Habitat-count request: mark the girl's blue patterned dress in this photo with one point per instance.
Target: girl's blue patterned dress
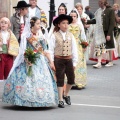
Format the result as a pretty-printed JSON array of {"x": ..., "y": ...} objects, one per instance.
[{"x": 39, "y": 90}]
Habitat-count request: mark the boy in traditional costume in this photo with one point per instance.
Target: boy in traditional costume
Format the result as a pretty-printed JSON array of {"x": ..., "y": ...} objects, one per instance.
[{"x": 63, "y": 49}]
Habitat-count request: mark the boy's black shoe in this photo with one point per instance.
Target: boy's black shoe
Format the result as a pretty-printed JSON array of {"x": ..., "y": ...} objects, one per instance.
[
  {"x": 67, "y": 99},
  {"x": 61, "y": 104}
]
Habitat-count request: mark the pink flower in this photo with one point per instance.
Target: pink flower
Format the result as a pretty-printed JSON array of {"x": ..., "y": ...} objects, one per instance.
[{"x": 35, "y": 51}]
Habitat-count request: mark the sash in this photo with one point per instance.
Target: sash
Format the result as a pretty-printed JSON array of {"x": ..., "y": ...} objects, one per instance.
[{"x": 35, "y": 43}]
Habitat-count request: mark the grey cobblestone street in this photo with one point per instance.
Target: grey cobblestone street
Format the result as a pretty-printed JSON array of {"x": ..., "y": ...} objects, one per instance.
[{"x": 100, "y": 100}]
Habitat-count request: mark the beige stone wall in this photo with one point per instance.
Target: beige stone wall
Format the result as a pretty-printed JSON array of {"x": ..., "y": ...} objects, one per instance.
[
  {"x": 13, "y": 3},
  {"x": 117, "y": 1},
  {"x": 6, "y": 8},
  {"x": 3, "y": 8}
]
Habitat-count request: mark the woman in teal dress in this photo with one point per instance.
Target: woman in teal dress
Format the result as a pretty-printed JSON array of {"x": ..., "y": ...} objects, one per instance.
[{"x": 39, "y": 89}]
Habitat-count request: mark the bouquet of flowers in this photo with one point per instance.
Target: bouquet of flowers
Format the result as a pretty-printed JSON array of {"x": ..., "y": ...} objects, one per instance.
[
  {"x": 84, "y": 44},
  {"x": 30, "y": 58}
]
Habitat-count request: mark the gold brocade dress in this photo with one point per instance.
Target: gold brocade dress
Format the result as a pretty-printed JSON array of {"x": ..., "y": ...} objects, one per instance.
[{"x": 81, "y": 68}]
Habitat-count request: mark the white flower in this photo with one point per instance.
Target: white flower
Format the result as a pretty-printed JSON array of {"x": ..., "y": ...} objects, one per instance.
[{"x": 118, "y": 26}]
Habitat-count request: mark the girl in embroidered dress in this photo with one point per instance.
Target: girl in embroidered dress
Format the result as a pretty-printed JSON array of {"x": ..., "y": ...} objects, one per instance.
[
  {"x": 39, "y": 89},
  {"x": 81, "y": 70},
  {"x": 64, "y": 54},
  {"x": 6, "y": 60}
]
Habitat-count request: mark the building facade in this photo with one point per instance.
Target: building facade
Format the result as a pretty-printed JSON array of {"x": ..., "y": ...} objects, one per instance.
[
  {"x": 6, "y": 6},
  {"x": 94, "y": 4}
]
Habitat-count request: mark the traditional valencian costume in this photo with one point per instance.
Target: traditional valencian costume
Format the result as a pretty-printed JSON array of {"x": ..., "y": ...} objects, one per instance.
[
  {"x": 104, "y": 26},
  {"x": 63, "y": 49},
  {"x": 9, "y": 47},
  {"x": 37, "y": 90},
  {"x": 81, "y": 69}
]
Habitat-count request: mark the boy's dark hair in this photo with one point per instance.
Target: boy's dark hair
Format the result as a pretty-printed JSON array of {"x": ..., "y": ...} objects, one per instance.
[
  {"x": 87, "y": 8},
  {"x": 56, "y": 29}
]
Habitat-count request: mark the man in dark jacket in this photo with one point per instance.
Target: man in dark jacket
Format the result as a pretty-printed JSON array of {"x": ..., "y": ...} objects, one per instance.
[
  {"x": 88, "y": 12},
  {"x": 117, "y": 18}
]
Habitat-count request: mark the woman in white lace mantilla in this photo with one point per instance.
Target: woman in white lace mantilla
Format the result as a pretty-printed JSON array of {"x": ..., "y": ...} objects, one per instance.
[{"x": 39, "y": 89}]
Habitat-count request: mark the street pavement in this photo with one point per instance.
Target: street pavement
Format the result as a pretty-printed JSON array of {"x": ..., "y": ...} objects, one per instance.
[{"x": 100, "y": 100}]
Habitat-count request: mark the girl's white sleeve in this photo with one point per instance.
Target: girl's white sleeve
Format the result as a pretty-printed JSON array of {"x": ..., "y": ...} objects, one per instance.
[
  {"x": 74, "y": 51},
  {"x": 51, "y": 44}
]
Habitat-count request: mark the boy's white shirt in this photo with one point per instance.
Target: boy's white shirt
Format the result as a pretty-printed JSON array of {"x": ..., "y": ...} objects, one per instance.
[
  {"x": 74, "y": 47},
  {"x": 21, "y": 20}
]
